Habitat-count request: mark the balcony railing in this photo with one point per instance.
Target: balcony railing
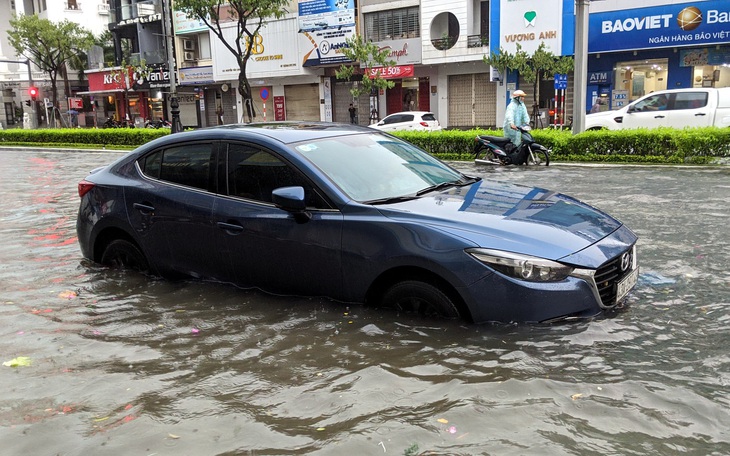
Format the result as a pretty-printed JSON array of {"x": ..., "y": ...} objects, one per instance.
[
  {"x": 136, "y": 10},
  {"x": 475, "y": 41}
]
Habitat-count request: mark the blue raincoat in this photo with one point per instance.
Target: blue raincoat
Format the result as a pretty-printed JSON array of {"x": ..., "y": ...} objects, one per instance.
[{"x": 516, "y": 114}]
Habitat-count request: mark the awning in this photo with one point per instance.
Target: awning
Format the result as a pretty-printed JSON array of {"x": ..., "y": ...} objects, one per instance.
[{"x": 99, "y": 92}]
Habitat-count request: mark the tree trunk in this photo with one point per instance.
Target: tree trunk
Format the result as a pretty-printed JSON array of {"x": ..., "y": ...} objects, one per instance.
[{"x": 244, "y": 88}]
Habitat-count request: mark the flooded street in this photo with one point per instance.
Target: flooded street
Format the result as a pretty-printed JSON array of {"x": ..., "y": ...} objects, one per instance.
[{"x": 101, "y": 362}]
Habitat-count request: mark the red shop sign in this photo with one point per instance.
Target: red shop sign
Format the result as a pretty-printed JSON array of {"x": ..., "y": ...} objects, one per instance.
[{"x": 392, "y": 72}]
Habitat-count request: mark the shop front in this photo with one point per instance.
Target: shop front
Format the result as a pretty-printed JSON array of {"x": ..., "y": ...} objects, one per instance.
[
  {"x": 633, "y": 52},
  {"x": 112, "y": 95}
]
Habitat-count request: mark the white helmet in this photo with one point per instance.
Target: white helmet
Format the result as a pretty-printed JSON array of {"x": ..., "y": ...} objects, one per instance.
[{"x": 518, "y": 93}]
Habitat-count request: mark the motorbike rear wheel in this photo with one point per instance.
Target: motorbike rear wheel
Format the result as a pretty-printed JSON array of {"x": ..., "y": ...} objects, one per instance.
[
  {"x": 485, "y": 155},
  {"x": 539, "y": 157}
]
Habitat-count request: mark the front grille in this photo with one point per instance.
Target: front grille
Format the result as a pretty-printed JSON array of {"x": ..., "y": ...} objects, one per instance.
[{"x": 610, "y": 273}]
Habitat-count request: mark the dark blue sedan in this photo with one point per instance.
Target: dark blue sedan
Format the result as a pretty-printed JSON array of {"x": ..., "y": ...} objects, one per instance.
[{"x": 355, "y": 215}]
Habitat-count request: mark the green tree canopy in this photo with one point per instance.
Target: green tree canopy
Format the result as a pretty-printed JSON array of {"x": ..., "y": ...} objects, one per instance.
[
  {"x": 249, "y": 17},
  {"x": 50, "y": 46},
  {"x": 370, "y": 57},
  {"x": 542, "y": 64}
]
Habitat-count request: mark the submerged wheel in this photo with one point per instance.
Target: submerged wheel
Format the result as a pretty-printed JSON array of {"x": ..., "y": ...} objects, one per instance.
[
  {"x": 420, "y": 297},
  {"x": 484, "y": 156},
  {"x": 541, "y": 157},
  {"x": 122, "y": 254}
]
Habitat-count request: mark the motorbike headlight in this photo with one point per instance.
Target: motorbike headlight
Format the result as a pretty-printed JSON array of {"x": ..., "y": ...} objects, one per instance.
[{"x": 523, "y": 267}]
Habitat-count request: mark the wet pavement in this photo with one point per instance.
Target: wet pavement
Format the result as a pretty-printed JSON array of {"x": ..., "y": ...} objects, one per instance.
[{"x": 110, "y": 363}]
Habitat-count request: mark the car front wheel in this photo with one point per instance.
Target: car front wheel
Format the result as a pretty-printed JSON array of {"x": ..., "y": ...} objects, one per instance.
[
  {"x": 420, "y": 297},
  {"x": 123, "y": 254}
]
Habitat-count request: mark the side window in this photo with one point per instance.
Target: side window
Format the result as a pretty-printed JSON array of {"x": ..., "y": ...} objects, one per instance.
[
  {"x": 407, "y": 118},
  {"x": 653, "y": 103},
  {"x": 254, "y": 173},
  {"x": 392, "y": 119},
  {"x": 690, "y": 100},
  {"x": 187, "y": 165}
]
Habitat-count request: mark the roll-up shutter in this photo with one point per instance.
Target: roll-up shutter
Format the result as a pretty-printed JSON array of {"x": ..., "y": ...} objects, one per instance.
[
  {"x": 472, "y": 101},
  {"x": 302, "y": 102}
]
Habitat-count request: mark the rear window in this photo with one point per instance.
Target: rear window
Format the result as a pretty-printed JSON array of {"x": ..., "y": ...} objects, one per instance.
[
  {"x": 690, "y": 100},
  {"x": 428, "y": 117},
  {"x": 187, "y": 165}
]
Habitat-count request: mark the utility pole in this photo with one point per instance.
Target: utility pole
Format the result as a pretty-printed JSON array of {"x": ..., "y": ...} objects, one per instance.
[
  {"x": 174, "y": 103},
  {"x": 581, "y": 65}
]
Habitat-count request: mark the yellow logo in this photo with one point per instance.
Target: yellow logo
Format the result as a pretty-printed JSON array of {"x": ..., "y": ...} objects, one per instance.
[
  {"x": 689, "y": 18},
  {"x": 258, "y": 44}
]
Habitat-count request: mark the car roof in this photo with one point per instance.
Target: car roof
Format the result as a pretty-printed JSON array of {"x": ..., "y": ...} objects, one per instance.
[
  {"x": 411, "y": 112},
  {"x": 285, "y": 132}
]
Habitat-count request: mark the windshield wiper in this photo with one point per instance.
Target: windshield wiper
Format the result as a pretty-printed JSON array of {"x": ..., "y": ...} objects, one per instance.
[
  {"x": 443, "y": 185},
  {"x": 391, "y": 199}
]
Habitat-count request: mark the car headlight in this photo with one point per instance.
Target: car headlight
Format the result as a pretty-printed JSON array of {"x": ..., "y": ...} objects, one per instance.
[{"x": 523, "y": 267}]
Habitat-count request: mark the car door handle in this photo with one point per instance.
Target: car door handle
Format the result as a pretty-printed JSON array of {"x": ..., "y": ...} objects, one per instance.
[
  {"x": 700, "y": 114},
  {"x": 658, "y": 117},
  {"x": 232, "y": 228},
  {"x": 144, "y": 208}
]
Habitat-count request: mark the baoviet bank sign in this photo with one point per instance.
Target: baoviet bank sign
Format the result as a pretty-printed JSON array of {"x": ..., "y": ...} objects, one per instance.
[{"x": 529, "y": 23}]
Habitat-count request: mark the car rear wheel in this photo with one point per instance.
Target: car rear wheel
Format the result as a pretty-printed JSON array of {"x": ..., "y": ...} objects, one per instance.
[
  {"x": 420, "y": 297},
  {"x": 123, "y": 254}
]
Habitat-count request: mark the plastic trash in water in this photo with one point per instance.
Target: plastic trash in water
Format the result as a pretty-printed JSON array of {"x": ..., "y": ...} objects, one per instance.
[
  {"x": 20, "y": 361},
  {"x": 655, "y": 279}
]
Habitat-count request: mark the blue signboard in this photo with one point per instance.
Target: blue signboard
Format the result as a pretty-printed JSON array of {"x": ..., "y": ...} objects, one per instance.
[
  {"x": 561, "y": 81},
  {"x": 684, "y": 24}
]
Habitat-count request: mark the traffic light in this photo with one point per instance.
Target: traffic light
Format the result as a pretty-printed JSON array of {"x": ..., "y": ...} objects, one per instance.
[{"x": 33, "y": 92}]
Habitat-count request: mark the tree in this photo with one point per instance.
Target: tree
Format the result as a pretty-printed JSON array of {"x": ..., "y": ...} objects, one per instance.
[
  {"x": 50, "y": 46},
  {"x": 249, "y": 16},
  {"x": 370, "y": 57},
  {"x": 542, "y": 64}
]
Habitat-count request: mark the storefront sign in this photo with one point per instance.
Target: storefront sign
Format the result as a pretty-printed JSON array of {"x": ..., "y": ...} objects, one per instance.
[
  {"x": 196, "y": 75},
  {"x": 660, "y": 26},
  {"x": 599, "y": 77},
  {"x": 272, "y": 53},
  {"x": 529, "y": 23},
  {"x": 701, "y": 57},
  {"x": 403, "y": 52},
  {"x": 392, "y": 72},
  {"x": 279, "y": 108},
  {"x": 76, "y": 103},
  {"x": 324, "y": 14}
]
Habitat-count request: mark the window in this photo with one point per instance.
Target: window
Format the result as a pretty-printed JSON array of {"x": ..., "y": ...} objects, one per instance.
[
  {"x": 690, "y": 100},
  {"x": 392, "y": 24},
  {"x": 653, "y": 103},
  {"x": 254, "y": 174},
  {"x": 185, "y": 165}
]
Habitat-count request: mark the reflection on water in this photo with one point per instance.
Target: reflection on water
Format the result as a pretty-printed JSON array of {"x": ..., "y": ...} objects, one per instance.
[{"x": 124, "y": 364}]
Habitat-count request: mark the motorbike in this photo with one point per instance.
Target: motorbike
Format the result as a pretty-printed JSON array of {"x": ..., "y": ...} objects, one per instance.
[
  {"x": 161, "y": 123},
  {"x": 498, "y": 150}
]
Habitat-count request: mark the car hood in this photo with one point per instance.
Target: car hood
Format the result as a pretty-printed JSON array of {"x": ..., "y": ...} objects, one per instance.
[{"x": 509, "y": 217}]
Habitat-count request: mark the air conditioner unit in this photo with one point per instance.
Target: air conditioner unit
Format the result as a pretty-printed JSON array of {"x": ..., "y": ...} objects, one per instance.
[
  {"x": 189, "y": 45},
  {"x": 189, "y": 56}
]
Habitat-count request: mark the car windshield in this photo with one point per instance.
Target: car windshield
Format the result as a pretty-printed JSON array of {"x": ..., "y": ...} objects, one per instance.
[{"x": 373, "y": 167}]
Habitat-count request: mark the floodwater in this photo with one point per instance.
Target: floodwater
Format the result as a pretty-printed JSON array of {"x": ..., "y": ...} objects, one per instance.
[{"x": 119, "y": 364}]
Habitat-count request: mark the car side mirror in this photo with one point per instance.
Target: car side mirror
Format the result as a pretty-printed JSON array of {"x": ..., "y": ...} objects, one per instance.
[{"x": 291, "y": 199}]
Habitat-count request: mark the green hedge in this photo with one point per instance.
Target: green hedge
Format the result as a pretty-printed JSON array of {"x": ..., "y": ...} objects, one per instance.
[
  {"x": 124, "y": 138},
  {"x": 663, "y": 145}
]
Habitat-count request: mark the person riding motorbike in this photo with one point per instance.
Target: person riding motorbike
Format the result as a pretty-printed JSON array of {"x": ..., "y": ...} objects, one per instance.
[{"x": 516, "y": 115}]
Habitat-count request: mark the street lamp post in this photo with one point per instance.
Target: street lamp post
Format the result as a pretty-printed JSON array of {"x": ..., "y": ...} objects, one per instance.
[{"x": 174, "y": 103}]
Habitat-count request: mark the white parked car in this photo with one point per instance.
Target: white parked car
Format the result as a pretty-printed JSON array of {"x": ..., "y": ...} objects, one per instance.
[
  {"x": 408, "y": 120},
  {"x": 677, "y": 108}
]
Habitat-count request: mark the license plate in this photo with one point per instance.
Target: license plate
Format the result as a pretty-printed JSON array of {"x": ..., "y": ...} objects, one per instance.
[{"x": 626, "y": 284}]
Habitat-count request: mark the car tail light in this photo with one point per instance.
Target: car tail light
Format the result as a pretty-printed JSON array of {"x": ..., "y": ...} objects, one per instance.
[
  {"x": 84, "y": 187},
  {"x": 425, "y": 124}
]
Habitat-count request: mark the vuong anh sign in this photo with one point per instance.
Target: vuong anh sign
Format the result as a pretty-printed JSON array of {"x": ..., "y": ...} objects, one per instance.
[{"x": 684, "y": 24}]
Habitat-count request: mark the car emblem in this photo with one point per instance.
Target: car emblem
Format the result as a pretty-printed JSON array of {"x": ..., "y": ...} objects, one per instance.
[{"x": 625, "y": 261}]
